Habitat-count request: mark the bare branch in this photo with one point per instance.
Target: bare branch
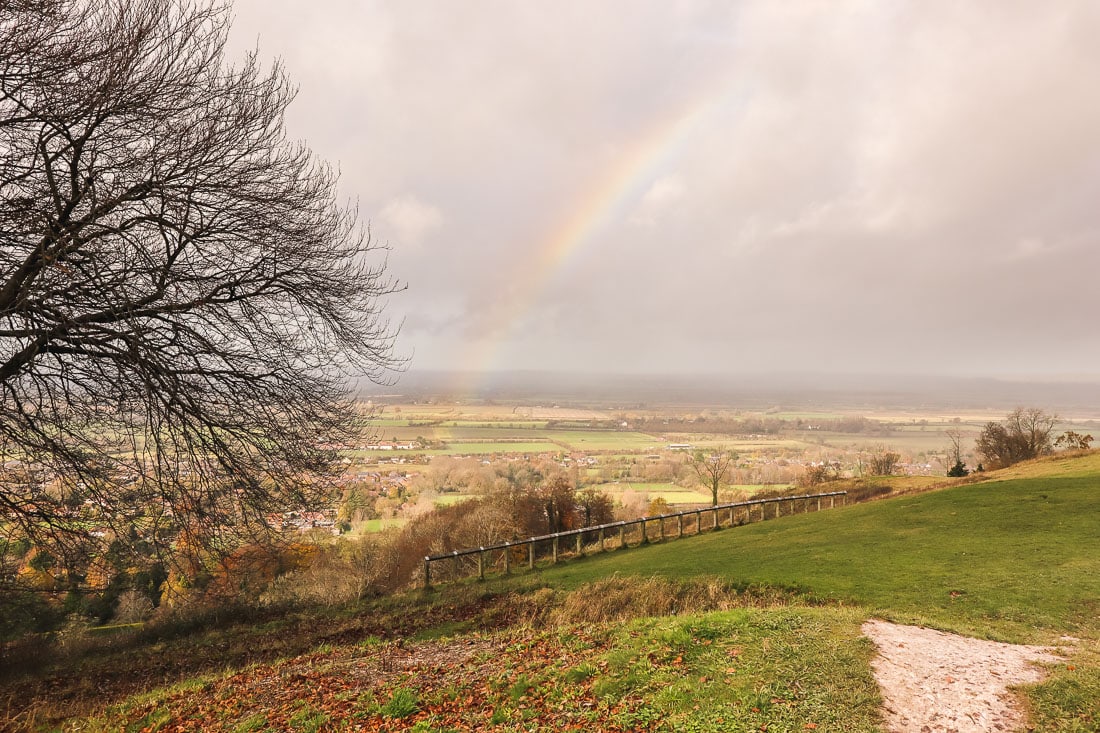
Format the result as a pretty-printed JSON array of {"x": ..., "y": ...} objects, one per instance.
[{"x": 182, "y": 296}]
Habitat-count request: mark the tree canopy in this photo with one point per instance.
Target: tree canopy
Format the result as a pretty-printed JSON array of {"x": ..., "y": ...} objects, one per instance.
[{"x": 183, "y": 296}]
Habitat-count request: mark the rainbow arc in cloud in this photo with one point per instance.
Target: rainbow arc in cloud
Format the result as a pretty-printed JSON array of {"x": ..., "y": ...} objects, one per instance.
[{"x": 603, "y": 203}]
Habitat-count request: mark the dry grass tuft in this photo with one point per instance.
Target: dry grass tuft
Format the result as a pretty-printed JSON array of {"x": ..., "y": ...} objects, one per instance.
[{"x": 623, "y": 598}]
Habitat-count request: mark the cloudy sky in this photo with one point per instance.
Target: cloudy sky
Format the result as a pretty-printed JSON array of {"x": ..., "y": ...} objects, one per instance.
[{"x": 626, "y": 186}]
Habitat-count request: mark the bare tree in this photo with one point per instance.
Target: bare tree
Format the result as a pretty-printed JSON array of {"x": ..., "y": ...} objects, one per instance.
[
  {"x": 182, "y": 295},
  {"x": 713, "y": 468},
  {"x": 1024, "y": 434},
  {"x": 957, "y": 467}
]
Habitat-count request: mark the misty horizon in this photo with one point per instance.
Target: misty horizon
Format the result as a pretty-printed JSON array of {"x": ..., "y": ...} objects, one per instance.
[{"x": 1075, "y": 398}]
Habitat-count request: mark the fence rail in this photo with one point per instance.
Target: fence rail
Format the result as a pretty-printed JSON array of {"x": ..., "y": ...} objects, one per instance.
[{"x": 513, "y": 553}]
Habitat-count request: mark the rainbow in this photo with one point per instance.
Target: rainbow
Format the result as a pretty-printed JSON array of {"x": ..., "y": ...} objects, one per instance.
[{"x": 600, "y": 205}]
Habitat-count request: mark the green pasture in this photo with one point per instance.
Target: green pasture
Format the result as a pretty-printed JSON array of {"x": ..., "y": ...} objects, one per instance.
[
  {"x": 628, "y": 442},
  {"x": 499, "y": 424},
  {"x": 573, "y": 439},
  {"x": 905, "y": 442},
  {"x": 705, "y": 441},
  {"x": 639, "y": 486},
  {"x": 369, "y": 526},
  {"x": 754, "y": 488},
  {"x": 676, "y": 494},
  {"x": 449, "y": 499},
  {"x": 671, "y": 493},
  {"x": 1013, "y": 558},
  {"x": 582, "y": 440},
  {"x": 488, "y": 447},
  {"x": 386, "y": 422}
]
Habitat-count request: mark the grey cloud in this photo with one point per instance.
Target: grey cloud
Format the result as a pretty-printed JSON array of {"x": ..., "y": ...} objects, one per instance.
[{"x": 894, "y": 186}]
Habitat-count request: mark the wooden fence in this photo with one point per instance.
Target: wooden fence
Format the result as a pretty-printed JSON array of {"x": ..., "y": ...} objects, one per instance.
[{"x": 619, "y": 534}]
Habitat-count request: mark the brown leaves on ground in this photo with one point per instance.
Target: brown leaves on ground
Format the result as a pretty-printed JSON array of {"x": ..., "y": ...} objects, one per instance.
[{"x": 474, "y": 683}]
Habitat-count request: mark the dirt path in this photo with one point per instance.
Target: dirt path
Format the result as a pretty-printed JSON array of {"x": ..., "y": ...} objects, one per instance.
[{"x": 934, "y": 682}]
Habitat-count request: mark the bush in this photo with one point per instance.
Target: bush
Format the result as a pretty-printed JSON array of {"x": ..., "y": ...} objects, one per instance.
[{"x": 958, "y": 470}]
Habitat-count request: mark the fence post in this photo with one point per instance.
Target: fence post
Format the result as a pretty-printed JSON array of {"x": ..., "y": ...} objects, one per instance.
[
  {"x": 661, "y": 524},
  {"x": 731, "y": 516},
  {"x": 555, "y": 543},
  {"x": 680, "y": 524},
  {"x": 481, "y": 564},
  {"x": 832, "y": 502},
  {"x": 427, "y": 572},
  {"x": 622, "y": 536},
  {"x": 530, "y": 555},
  {"x": 645, "y": 540},
  {"x": 601, "y": 540},
  {"x": 819, "y": 503},
  {"x": 844, "y": 500},
  {"x": 507, "y": 558},
  {"x": 580, "y": 549},
  {"x": 715, "y": 526}
]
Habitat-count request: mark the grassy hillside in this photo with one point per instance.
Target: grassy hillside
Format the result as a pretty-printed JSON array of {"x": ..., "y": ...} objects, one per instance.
[
  {"x": 1012, "y": 558},
  {"x": 744, "y": 629}
]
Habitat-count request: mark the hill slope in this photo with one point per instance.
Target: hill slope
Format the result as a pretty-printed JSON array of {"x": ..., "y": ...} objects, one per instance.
[
  {"x": 766, "y": 631},
  {"x": 1012, "y": 558}
]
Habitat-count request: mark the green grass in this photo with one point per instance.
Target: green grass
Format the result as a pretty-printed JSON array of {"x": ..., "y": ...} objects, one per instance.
[
  {"x": 486, "y": 448},
  {"x": 1013, "y": 558},
  {"x": 402, "y": 703},
  {"x": 671, "y": 493},
  {"x": 449, "y": 499},
  {"x": 755, "y": 488},
  {"x": 368, "y": 526},
  {"x": 747, "y": 669},
  {"x": 600, "y": 440}
]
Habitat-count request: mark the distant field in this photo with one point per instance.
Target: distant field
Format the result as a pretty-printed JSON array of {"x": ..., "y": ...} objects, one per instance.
[
  {"x": 499, "y": 424},
  {"x": 908, "y": 442},
  {"x": 675, "y": 494},
  {"x": 705, "y": 441},
  {"x": 805, "y": 415},
  {"x": 486, "y": 448},
  {"x": 605, "y": 440},
  {"x": 483, "y": 430},
  {"x": 754, "y": 488},
  {"x": 573, "y": 439},
  {"x": 369, "y": 526},
  {"x": 671, "y": 493},
  {"x": 449, "y": 499}
]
